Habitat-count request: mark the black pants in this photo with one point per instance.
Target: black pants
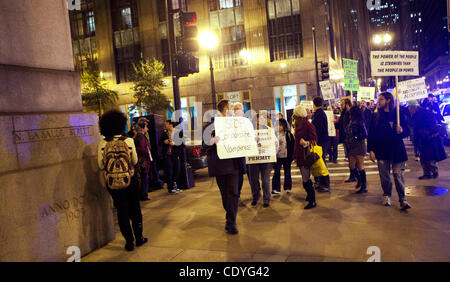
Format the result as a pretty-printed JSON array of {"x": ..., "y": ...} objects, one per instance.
[
  {"x": 333, "y": 148},
  {"x": 171, "y": 170},
  {"x": 228, "y": 185},
  {"x": 127, "y": 203},
  {"x": 276, "y": 183}
]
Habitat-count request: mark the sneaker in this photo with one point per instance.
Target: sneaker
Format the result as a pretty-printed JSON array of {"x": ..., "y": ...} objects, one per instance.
[
  {"x": 311, "y": 205},
  {"x": 276, "y": 192},
  {"x": 266, "y": 205},
  {"x": 323, "y": 190},
  {"x": 404, "y": 205},
  {"x": 141, "y": 242},
  {"x": 178, "y": 190},
  {"x": 386, "y": 201}
]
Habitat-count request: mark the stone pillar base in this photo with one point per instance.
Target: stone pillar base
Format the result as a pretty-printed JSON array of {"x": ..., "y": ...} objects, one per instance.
[{"x": 51, "y": 195}]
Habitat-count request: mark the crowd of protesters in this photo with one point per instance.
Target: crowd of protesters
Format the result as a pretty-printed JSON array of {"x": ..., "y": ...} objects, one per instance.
[{"x": 362, "y": 129}]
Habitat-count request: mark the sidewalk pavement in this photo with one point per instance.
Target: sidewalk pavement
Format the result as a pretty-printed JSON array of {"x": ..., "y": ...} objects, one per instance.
[{"x": 189, "y": 227}]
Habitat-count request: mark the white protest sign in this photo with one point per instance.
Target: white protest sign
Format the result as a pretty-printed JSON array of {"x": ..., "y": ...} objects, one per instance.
[
  {"x": 236, "y": 137},
  {"x": 266, "y": 146},
  {"x": 308, "y": 105},
  {"x": 412, "y": 89},
  {"x": 394, "y": 63},
  {"x": 331, "y": 128},
  {"x": 327, "y": 91},
  {"x": 366, "y": 94}
]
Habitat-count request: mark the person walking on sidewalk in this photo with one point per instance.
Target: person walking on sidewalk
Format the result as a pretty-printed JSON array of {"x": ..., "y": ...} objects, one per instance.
[
  {"x": 385, "y": 144},
  {"x": 117, "y": 157},
  {"x": 356, "y": 135},
  {"x": 226, "y": 171},
  {"x": 263, "y": 169},
  {"x": 285, "y": 155},
  {"x": 305, "y": 135},
  {"x": 429, "y": 142},
  {"x": 344, "y": 120}
]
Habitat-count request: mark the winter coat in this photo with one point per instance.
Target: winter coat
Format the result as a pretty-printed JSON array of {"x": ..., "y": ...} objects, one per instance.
[
  {"x": 427, "y": 137},
  {"x": 142, "y": 149},
  {"x": 383, "y": 139},
  {"x": 320, "y": 122},
  {"x": 356, "y": 131},
  {"x": 342, "y": 124},
  {"x": 307, "y": 132}
]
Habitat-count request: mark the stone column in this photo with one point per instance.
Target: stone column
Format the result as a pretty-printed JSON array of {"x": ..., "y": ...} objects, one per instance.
[{"x": 51, "y": 197}]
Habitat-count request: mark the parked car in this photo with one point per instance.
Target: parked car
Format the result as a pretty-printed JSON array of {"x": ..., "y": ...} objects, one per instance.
[{"x": 445, "y": 112}]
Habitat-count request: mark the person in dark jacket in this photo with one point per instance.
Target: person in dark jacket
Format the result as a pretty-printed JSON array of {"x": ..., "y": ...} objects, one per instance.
[
  {"x": 367, "y": 114},
  {"x": 144, "y": 157},
  {"x": 385, "y": 144},
  {"x": 356, "y": 134},
  {"x": 284, "y": 158},
  {"x": 305, "y": 135},
  {"x": 429, "y": 142},
  {"x": 171, "y": 157},
  {"x": 430, "y": 105},
  {"x": 320, "y": 122},
  {"x": 344, "y": 120},
  {"x": 225, "y": 171}
]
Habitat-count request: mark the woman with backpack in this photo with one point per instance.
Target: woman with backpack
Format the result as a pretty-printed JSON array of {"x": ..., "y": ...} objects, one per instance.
[
  {"x": 117, "y": 157},
  {"x": 284, "y": 158},
  {"x": 355, "y": 139}
]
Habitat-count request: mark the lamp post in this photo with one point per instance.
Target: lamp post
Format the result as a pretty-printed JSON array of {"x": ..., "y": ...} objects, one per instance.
[{"x": 209, "y": 41}]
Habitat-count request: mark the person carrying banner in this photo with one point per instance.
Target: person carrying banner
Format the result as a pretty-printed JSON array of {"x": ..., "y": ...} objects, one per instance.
[
  {"x": 385, "y": 144},
  {"x": 226, "y": 171}
]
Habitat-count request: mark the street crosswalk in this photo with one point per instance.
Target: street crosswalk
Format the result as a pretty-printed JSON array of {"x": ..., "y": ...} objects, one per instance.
[{"x": 340, "y": 169}]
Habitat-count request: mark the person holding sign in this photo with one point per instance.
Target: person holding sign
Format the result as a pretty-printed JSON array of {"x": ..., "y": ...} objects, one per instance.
[
  {"x": 385, "y": 144},
  {"x": 305, "y": 136},
  {"x": 238, "y": 109},
  {"x": 262, "y": 168},
  {"x": 226, "y": 171}
]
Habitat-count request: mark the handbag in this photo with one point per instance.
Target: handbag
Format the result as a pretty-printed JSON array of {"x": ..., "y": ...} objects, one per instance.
[{"x": 311, "y": 157}]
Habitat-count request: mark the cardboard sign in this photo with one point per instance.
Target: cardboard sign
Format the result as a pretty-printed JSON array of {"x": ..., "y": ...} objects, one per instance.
[
  {"x": 366, "y": 94},
  {"x": 394, "y": 63},
  {"x": 309, "y": 105},
  {"x": 327, "y": 90},
  {"x": 351, "y": 80},
  {"x": 237, "y": 137},
  {"x": 412, "y": 89},
  {"x": 267, "y": 151},
  {"x": 331, "y": 128}
]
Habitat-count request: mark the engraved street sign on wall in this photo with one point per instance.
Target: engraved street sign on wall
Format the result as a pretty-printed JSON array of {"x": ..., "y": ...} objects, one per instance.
[{"x": 38, "y": 135}]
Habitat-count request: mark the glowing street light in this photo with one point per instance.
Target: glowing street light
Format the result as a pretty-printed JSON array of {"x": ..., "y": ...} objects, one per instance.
[
  {"x": 377, "y": 39},
  {"x": 209, "y": 41},
  {"x": 380, "y": 38}
]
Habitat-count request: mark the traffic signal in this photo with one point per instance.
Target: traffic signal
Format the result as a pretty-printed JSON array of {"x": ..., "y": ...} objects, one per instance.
[
  {"x": 325, "y": 69},
  {"x": 187, "y": 64},
  {"x": 189, "y": 32}
]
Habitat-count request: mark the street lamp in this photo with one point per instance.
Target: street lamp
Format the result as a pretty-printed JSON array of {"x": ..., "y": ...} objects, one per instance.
[
  {"x": 380, "y": 38},
  {"x": 209, "y": 41}
]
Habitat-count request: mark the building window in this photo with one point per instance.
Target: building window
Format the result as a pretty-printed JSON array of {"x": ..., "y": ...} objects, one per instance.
[
  {"x": 227, "y": 21},
  {"x": 285, "y": 30},
  {"x": 82, "y": 28},
  {"x": 126, "y": 39}
]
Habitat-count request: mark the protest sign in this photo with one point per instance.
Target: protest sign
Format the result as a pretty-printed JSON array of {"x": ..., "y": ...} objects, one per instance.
[
  {"x": 412, "y": 89},
  {"x": 266, "y": 147},
  {"x": 351, "y": 80},
  {"x": 309, "y": 105},
  {"x": 327, "y": 90},
  {"x": 330, "y": 119},
  {"x": 366, "y": 94},
  {"x": 236, "y": 137},
  {"x": 394, "y": 63}
]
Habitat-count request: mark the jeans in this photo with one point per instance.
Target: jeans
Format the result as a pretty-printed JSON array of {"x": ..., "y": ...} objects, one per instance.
[
  {"x": 254, "y": 171},
  {"x": 276, "y": 183},
  {"x": 228, "y": 185},
  {"x": 171, "y": 170},
  {"x": 126, "y": 201},
  {"x": 333, "y": 148},
  {"x": 398, "y": 169}
]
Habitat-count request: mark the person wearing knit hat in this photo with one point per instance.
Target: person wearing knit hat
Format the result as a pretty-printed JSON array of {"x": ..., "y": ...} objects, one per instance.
[{"x": 305, "y": 134}]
